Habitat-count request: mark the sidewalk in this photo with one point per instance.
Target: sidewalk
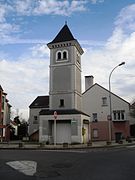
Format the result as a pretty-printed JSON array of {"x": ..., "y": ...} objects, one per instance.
[{"x": 37, "y": 146}]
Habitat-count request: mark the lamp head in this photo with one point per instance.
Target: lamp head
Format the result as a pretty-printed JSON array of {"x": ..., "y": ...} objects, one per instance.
[{"x": 122, "y": 63}]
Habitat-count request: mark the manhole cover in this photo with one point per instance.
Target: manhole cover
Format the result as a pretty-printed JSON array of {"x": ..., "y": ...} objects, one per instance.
[{"x": 62, "y": 165}]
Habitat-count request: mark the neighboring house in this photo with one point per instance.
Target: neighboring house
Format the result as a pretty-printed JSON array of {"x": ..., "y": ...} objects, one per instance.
[
  {"x": 41, "y": 102},
  {"x": 96, "y": 104},
  {"x": 4, "y": 115},
  {"x": 132, "y": 121}
]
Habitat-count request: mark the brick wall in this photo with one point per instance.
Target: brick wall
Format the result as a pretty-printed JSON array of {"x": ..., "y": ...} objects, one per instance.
[{"x": 102, "y": 130}]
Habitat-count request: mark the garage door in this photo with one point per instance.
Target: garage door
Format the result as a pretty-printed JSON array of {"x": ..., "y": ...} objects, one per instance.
[{"x": 63, "y": 132}]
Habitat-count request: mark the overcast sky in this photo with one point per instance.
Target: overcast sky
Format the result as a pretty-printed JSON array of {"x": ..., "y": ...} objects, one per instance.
[{"x": 104, "y": 28}]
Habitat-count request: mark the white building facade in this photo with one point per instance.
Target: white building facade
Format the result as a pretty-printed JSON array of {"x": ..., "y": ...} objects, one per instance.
[
  {"x": 96, "y": 104},
  {"x": 41, "y": 102}
]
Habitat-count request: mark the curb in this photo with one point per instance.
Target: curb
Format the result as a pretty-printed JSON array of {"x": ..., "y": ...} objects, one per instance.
[{"x": 38, "y": 147}]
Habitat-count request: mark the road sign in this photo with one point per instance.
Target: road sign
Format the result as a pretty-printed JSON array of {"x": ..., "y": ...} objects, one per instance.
[{"x": 55, "y": 115}]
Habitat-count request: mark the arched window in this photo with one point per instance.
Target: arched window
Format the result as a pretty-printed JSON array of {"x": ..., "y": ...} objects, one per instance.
[
  {"x": 64, "y": 55},
  {"x": 59, "y": 55}
]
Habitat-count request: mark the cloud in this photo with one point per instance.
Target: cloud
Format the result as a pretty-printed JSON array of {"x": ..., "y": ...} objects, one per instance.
[
  {"x": 23, "y": 7},
  {"x": 96, "y": 1},
  {"x": 48, "y": 7},
  {"x": 11, "y": 9},
  {"x": 40, "y": 50},
  {"x": 119, "y": 47},
  {"x": 126, "y": 18},
  {"x": 6, "y": 29},
  {"x": 54, "y": 7},
  {"x": 14, "y": 9},
  {"x": 2, "y": 13},
  {"x": 4, "y": 10},
  {"x": 25, "y": 79},
  {"x": 41, "y": 7}
]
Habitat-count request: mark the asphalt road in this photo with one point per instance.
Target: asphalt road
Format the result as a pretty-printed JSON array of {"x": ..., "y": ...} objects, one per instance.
[{"x": 117, "y": 164}]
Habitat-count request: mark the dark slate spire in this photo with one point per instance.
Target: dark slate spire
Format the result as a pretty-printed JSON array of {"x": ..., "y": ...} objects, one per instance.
[{"x": 64, "y": 35}]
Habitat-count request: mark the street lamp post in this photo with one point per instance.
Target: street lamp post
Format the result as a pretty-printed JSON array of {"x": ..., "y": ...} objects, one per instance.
[
  {"x": 55, "y": 130},
  {"x": 110, "y": 102}
]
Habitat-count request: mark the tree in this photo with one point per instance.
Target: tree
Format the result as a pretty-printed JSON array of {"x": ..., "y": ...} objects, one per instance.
[
  {"x": 16, "y": 120},
  {"x": 23, "y": 130}
]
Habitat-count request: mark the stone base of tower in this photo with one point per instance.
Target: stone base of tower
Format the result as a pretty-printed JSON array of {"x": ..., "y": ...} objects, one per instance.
[{"x": 72, "y": 126}]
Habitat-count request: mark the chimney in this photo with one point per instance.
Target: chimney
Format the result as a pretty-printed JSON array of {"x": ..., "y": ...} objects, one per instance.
[{"x": 88, "y": 82}]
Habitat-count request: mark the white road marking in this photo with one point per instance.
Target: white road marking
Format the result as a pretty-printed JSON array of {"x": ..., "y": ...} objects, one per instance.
[{"x": 26, "y": 167}]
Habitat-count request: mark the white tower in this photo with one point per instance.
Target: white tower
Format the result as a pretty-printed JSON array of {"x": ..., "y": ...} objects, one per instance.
[
  {"x": 64, "y": 93},
  {"x": 65, "y": 71}
]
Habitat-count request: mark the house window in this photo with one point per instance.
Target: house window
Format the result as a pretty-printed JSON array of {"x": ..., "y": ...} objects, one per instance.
[
  {"x": 95, "y": 133},
  {"x": 94, "y": 117},
  {"x": 61, "y": 102},
  {"x": 104, "y": 101},
  {"x": 114, "y": 115},
  {"x": 122, "y": 115},
  {"x": 35, "y": 121},
  {"x": 119, "y": 115}
]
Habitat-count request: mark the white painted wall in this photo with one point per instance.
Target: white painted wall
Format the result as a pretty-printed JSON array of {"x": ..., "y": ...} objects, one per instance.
[
  {"x": 43, "y": 128},
  {"x": 92, "y": 103},
  {"x": 33, "y": 127}
]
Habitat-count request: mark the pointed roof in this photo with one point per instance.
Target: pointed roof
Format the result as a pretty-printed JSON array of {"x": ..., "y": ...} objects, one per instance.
[
  {"x": 96, "y": 84},
  {"x": 64, "y": 35}
]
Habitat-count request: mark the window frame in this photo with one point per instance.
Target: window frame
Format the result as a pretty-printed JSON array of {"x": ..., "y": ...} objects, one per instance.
[
  {"x": 94, "y": 117},
  {"x": 119, "y": 115},
  {"x": 35, "y": 119},
  {"x": 95, "y": 135},
  {"x": 62, "y": 103},
  {"x": 104, "y": 101},
  {"x": 62, "y": 59}
]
